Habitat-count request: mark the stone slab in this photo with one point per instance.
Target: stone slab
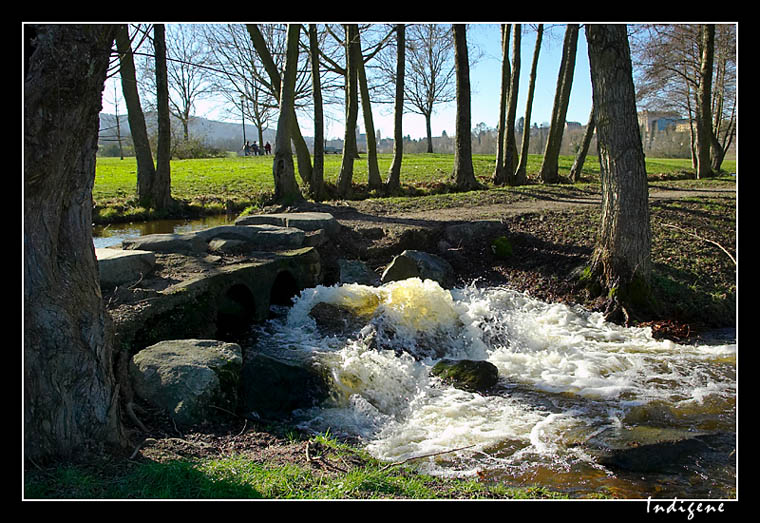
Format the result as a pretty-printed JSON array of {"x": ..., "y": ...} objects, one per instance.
[
  {"x": 306, "y": 221},
  {"x": 119, "y": 266}
]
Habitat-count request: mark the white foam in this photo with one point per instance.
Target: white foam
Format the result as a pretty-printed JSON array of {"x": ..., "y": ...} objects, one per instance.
[{"x": 569, "y": 375}]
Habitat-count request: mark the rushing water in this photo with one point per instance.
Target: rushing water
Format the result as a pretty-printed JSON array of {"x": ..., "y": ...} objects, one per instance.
[{"x": 572, "y": 389}]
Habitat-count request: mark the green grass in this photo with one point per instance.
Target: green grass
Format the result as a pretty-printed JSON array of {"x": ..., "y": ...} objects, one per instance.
[
  {"x": 237, "y": 477},
  {"x": 216, "y": 185}
]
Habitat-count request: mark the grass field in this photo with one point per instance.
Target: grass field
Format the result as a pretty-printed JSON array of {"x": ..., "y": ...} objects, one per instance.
[{"x": 216, "y": 185}]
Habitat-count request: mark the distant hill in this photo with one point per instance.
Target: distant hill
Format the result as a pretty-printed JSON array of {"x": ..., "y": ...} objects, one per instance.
[{"x": 224, "y": 135}]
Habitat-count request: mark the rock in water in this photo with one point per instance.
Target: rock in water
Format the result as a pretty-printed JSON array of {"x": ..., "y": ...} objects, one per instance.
[{"x": 470, "y": 375}]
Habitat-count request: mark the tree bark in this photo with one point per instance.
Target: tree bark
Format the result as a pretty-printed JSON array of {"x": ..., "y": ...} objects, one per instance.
[
  {"x": 499, "y": 174},
  {"x": 146, "y": 171},
  {"x": 374, "y": 181},
  {"x": 285, "y": 186},
  {"x": 353, "y": 55},
  {"x": 510, "y": 147},
  {"x": 550, "y": 165},
  {"x": 521, "y": 175},
  {"x": 621, "y": 260},
  {"x": 316, "y": 188},
  {"x": 394, "y": 174},
  {"x": 464, "y": 174},
  {"x": 704, "y": 110},
  {"x": 160, "y": 191},
  {"x": 70, "y": 392},
  {"x": 580, "y": 158}
]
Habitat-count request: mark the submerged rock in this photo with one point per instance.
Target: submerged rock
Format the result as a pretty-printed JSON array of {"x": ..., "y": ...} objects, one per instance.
[
  {"x": 664, "y": 456},
  {"x": 333, "y": 320},
  {"x": 469, "y": 375},
  {"x": 272, "y": 388}
]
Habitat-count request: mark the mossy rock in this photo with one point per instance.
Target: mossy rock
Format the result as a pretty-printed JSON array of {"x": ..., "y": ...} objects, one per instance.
[{"x": 469, "y": 375}]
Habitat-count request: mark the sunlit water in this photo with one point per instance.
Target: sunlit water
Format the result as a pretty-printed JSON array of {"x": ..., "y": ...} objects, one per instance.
[
  {"x": 572, "y": 388},
  {"x": 113, "y": 234}
]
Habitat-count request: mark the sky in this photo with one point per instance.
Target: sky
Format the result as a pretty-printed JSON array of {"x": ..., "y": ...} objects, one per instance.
[{"x": 485, "y": 84}]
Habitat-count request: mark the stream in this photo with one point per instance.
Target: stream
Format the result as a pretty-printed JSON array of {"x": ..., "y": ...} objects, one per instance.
[
  {"x": 573, "y": 390},
  {"x": 113, "y": 234}
]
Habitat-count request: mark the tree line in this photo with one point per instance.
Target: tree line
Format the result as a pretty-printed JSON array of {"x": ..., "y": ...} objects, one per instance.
[
  {"x": 74, "y": 396},
  {"x": 412, "y": 69}
]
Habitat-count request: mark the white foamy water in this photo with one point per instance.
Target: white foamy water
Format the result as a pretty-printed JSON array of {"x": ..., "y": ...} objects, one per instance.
[{"x": 568, "y": 380}]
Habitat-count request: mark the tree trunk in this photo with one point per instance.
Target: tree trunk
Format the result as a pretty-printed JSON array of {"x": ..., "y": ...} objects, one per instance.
[
  {"x": 70, "y": 392},
  {"x": 302, "y": 151},
  {"x": 353, "y": 56},
  {"x": 317, "y": 186},
  {"x": 580, "y": 158},
  {"x": 510, "y": 148},
  {"x": 499, "y": 174},
  {"x": 160, "y": 192},
  {"x": 285, "y": 185},
  {"x": 550, "y": 165},
  {"x": 394, "y": 174},
  {"x": 621, "y": 260},
  {"x": 429, "y": 131},
  {"x": 146, "y": 171},
  {"x": 522, "y": 176},
  {"x": 374, "y": 181},
  {"x": 464, "y": 174},
  {"x": 704, "y": 110}
]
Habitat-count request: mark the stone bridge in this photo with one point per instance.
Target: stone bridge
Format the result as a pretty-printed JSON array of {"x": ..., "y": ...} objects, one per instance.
[{"x": 210, "y": 283}]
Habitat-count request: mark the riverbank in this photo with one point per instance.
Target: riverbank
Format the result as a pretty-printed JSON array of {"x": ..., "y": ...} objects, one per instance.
[{"x": 551, "y": 231}]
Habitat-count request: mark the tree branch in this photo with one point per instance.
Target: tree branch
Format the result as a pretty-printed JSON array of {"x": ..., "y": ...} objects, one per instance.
[{"x": 701, "y": 238}]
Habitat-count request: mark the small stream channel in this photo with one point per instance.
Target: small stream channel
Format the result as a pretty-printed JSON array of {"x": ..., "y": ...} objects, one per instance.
[{"x": 113, "y": 234}]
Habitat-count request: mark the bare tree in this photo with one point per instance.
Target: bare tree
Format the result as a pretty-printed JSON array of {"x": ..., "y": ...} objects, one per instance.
[
  {"x": 705, "y": 136},
  {"x": 187, "y": 80},
  {"x": 285, "y": 185},
  {"x": 621, "y": 263},
  {"x": 669, "y": 60},
  {"x": 160, "y": 190},
  {"x": 303, "y": 156},
  {"x": 580, "y": 158},
  {"x": 394, "y": 173},
  {"x": 240, "y": 75},
  {"x": 317, "y": 173},
  {"x": 499, "y": 176},
  {"x": 71, "y": 397},
  {"x": 550, "y": 165},
  {"x": 146, "y": 170},
  {"x": 353, "y": 56},
  {"x": 430, "y": 71},
  {"x": 508, "y": 173},
  {"x": 521, "y": 174},
  {"x": 464, "y": 174}
]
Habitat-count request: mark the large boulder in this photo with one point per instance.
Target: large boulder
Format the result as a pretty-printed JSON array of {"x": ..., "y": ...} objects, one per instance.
[
  {"x": 273, "y": 388},
  {"x": 188, "y": 378},
  {"x": 470, "y": 375},
  {"x": 418, "y": 264}
]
